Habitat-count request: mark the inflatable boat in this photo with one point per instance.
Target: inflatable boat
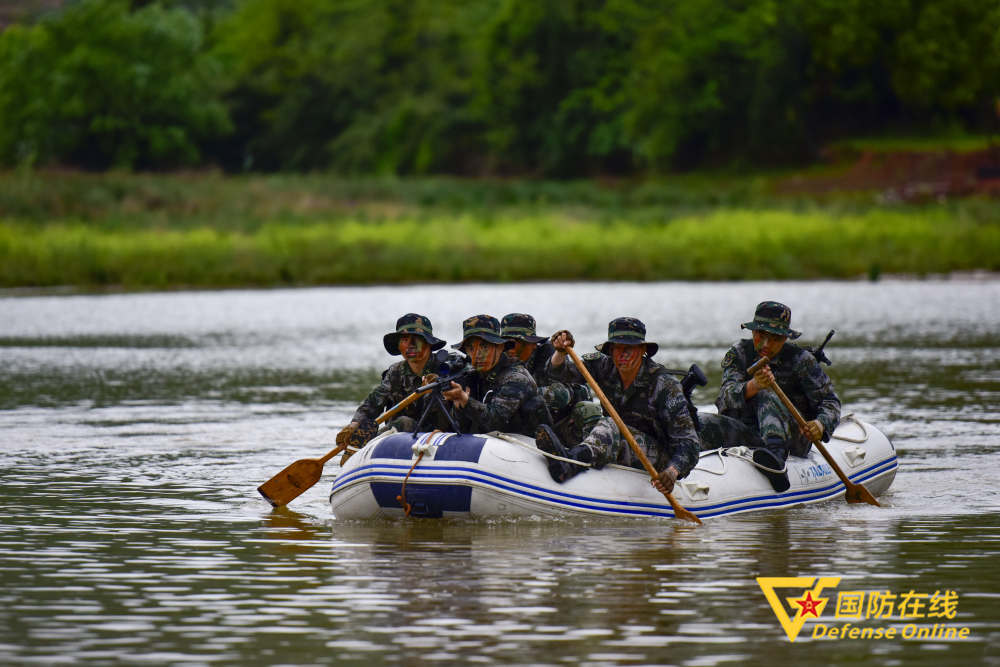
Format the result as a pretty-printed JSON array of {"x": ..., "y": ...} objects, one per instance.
[{"x": 496, "y": 474}]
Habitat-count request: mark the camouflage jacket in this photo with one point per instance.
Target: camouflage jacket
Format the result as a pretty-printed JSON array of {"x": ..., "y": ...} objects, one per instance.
[
  {"x": 798, "y": 374},
  {"x": 504, "y": 399},
  {"x": 398, "y": 382},
  {"x": 654, "y": 404}
]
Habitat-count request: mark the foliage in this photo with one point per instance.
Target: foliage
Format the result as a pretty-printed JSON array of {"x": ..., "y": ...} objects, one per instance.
[
  {"x": 98, "y": 85},
  {"x": 553, "y": 88}
]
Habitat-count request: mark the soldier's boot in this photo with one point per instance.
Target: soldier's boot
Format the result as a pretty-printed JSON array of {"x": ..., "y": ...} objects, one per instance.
[
  {"x": 560, "y": 471},
  {"x": 770, "y": 460}
]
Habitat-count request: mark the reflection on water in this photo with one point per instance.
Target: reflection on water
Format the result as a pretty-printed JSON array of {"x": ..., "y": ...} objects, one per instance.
[{"x": 136, "y": 428}]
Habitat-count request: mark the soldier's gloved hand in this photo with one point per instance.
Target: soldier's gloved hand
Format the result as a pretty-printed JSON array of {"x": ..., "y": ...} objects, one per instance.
[
  {"x": 458, "y": 396},
  {"x": 343, "y": 437},
  {"x": 665, "y": 481},
  {"x": 812, "y": 430},
  {"x": 562, "y": 339},
  {"x": 763, "y": 378}
]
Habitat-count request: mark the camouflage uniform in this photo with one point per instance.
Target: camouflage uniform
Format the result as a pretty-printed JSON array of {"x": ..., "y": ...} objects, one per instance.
[
  {"x": 653, "y": 407},
  {"x": 399, "y": 381},
  {"x": 562, "y": 400},
  {"x": 506, "y": 397},
  {"x": 797, "y": 373}
]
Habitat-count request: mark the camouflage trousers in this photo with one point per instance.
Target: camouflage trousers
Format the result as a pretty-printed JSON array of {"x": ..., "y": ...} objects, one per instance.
[
  {"x": 608, "y": 445},
  {"x": 773, "y": 426}
]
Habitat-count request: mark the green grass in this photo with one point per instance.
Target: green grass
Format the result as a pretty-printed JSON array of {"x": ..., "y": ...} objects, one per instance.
[
  {"x": 142, "y": 231},
  {"x": 724, "y": 244}
]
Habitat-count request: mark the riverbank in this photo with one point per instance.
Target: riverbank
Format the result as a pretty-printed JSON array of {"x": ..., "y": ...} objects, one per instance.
[{"x": 206, "y": 230}]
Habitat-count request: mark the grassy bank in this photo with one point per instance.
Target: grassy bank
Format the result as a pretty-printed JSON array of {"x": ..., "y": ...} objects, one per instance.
[{"x": 204, "y": 230}]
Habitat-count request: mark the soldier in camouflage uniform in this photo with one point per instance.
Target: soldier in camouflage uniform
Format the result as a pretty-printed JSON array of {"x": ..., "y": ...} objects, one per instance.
[
  {"x": 569, "y": 405},
  {"x": 414, "y": 340},
  {"x": 750, "y": 401},
  {"x": 505, "y": 397},
  {"x": 647, "y": 398}
]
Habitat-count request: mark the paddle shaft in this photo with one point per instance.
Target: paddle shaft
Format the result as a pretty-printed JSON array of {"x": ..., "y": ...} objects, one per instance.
[
  {"x": 853, "y": 490},
  {"x": 679, "y": 511}
]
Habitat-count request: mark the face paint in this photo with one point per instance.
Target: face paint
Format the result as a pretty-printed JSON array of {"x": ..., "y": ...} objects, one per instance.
[
  {"x": 521, "y": 350},
  {"x": 414, "y": 348},
  {"x": 627, "y": 357},
  {"x": 768, "y": 344},
  {"x": 483, "y": 355}
]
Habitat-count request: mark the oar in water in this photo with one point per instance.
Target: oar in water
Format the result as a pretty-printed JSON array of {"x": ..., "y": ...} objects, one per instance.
[
  {"x": 855, "y": 493},
  {"x": 679, "y": 511},
  {"x": 288, "y": 484}
]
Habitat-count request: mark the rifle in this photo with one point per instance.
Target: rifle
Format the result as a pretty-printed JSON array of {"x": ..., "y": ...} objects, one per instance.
[
  {"x": 818, "y": 352},
  {"x": 693, "y": 377},
  {"x": 454, "y": 366}
]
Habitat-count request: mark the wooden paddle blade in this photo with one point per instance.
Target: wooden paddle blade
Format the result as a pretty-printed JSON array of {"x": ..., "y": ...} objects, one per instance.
[
  {"x": 288, "y": 484},
  {"x": 686, "y": 515},
  {"x": 856, "y": 493}
]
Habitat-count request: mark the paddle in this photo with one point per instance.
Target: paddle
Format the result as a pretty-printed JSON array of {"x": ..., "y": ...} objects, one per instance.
[
  {"x": 679, "y": 511},
  {"x": 288, "y": 484},
  {"x": 854, "y": 493}
]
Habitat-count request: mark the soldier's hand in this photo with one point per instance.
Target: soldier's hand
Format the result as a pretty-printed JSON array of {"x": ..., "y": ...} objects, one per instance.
[
  {"x": 562, "y": 339},
  {"x": 345, "y": 433},
  {"x": 763, "y": 378},
  {"x": 429, "y": 378},
  {"x": 458, "y": 396},
  {"x": 812, "y": 430},
  {"x": 665, "y": 481}
]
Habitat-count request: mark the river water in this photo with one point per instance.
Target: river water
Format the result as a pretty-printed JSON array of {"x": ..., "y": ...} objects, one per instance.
[{"x": 135, "y": 429}]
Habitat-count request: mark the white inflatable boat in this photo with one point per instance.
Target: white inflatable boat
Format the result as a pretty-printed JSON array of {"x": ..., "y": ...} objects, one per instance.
[{"x": 498, "y": 474}]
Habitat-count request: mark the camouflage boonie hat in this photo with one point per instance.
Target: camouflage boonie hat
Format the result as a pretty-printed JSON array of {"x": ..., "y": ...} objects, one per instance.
[
  {"x": 772, "y": 317},
  {"x": 411, "y": 323},
  {"x": 519, "y": 326},
  {"x": 629, "y": 331},
  {"x": 482, "y": 326}
]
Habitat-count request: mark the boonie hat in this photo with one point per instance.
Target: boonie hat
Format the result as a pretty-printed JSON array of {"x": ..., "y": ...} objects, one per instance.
[
  {"x": 482, "y": 326},
  {"x": 630, "y": 331},
  {"x": 772, "y": 317},
  {"x": 519, "y": 326},
  {"x": 411, "y": 324}
]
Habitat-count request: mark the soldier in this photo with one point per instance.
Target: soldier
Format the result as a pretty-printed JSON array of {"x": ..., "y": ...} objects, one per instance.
[
  {"x": 414, "y": 340},
  {"x": 505, "y": 397},
  {"x": 647, "y": 398},
  {"x": 569, "y": 405},
  {"x": 750, "y": 400}
]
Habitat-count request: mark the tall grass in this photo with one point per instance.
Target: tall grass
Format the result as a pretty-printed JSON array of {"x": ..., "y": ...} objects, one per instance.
[{"x": 718, "y": 244}]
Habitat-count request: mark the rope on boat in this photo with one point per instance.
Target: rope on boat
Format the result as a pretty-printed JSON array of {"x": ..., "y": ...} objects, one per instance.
[
  {"x": 503, "y": 436},
  {"x": 854, "y": 419},
  {"x": 419, "y": 448},
  {"x": 743, "y": 453}
]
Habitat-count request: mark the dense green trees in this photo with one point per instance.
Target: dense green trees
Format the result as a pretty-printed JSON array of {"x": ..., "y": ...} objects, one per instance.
[{"x": 546, "y": 87}]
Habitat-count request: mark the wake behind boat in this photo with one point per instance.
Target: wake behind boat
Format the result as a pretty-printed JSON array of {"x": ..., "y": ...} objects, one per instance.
[{"x": 497, "y": 474}]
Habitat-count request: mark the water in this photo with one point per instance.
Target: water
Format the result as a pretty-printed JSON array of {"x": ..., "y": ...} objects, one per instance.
[{"x": 136, "y": 428}]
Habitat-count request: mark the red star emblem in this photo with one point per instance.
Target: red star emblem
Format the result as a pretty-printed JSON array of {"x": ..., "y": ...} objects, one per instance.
[{"x": 809, "y": 605}]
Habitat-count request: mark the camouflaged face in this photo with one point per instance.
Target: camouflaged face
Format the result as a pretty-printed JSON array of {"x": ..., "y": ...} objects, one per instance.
[{"x": 415, "y": 324}]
